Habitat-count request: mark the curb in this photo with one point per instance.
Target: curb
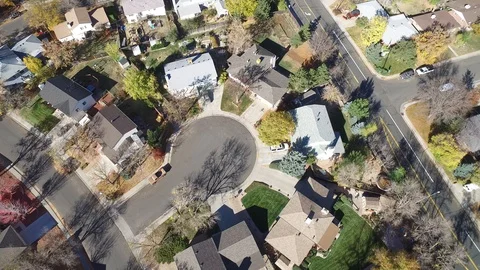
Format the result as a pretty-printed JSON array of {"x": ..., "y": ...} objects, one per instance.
[{"x": 445, "y": 177}]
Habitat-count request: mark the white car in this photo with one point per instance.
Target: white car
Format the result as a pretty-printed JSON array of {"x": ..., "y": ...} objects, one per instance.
[
  {"x": 446, "y": 87},
  {"x": 279, "y": 147},
  {"x": 470, "y": 187},
  {"x": 424, "y": 70}
]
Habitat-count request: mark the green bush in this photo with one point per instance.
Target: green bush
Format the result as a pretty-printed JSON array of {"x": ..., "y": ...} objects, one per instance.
[
  {"x": 359, "y": 108},
  {"x": 369, "y": 129},
  {"x": 159, "y": 45},
  {"x": 446, "y": 150},
  {"x": 223, "y": 77},
  {"x": 282, "y": 5},
  {"x": 463, "y": 37},
  {"x": 434, "y": 2},
  {"x": 464, "y": 170},
  {"x": 293, "y": 164},
  {"x": 169, "y": 248},
  {"x": 356, "y": 157},
  {"x": 398, "y": 174}
]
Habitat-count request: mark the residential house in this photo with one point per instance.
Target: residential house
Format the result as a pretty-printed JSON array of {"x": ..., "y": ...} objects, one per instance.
[
  {"x": 12, "y": 69},
  {"x": 188, "y": 76},
  {"x": 118, "y": 135},
  {"x": 371, "y": 9},
  {"x": 29, "y": 46},
  {"x": 425, "y": 21},
  {"x": 398, "y": 28},
  {"x": 466, "y": 12},
  {"x": 303, "y": 224},
  {"x": 11, "y": 246},
  {"x": 314, "y": 130},
  {"x": 233, "y": 248},
  {"x": 255, "y": 69},
  {"x": 68, "y": 97},
  {"x": 136, "y": 10},
  {"x": 79, "y": 22},
  {"x": 188, "y": 9},
  {"x": 469, "y": 136}
]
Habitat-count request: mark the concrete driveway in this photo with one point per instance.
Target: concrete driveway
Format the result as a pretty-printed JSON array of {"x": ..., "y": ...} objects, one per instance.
[{"x": 192, "y": 158}]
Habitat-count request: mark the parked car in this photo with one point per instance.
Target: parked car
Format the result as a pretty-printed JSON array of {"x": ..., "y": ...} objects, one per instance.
[
  {"x": 14, "y": 15},
  {"x": 470, "y": 187},
  {"x": 407, "y": 74},
  {"x": 352, "y": 14},
  {"x": 446, "y": 87},
  {"x": 425, "y": 69},
  {"x": 279, "y": 147},
  {"x": 162, "y": 172}
]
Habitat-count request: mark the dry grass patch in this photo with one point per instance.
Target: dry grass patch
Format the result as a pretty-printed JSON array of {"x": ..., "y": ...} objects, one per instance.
[{"x": 418, "y": 115}]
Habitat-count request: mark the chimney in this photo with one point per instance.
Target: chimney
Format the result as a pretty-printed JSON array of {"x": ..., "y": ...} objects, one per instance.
[
  {"x": 69, "y": 24},
  {"x": 467, "y": 6},
  {"x": 308, "y": 221},
  {"x": 433, "y": 16},
  {"x": 324, "y": 211},
  {"x": 259, "y": 60}
]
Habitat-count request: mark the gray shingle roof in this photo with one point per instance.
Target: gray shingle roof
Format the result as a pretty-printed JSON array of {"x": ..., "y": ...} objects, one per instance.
[
  {"x": 271, "y": 86},
  {"x": 64, "y": 94},
  {"x": 249, "y": 57},
  {"x": 11, "y": 66},
  {"x": 131, "y": 7},
  {"x": 234, "y": 248},
  {"x": 113, "y": 124},
  {"x": 469, "y": 137},
  {"x": 11, "y": 245},
  {"x": 187, "y": 72},
  {"x": 30, "y": 45}
]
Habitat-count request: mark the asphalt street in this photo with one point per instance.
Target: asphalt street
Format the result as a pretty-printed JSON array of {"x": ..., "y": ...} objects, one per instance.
[
  {"x": 100, "y": 237},
  {"x": 190, "y": 160},
  {"x": 391, "y": 94},
  {"x": 13, "y": 29}
]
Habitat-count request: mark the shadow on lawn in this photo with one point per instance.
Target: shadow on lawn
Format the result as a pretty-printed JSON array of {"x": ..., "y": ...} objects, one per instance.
[{"x": 259, "y": 216}]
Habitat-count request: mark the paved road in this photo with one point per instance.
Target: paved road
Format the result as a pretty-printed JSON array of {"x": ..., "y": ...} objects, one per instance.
[
  {"x": 72, "y": 200},
  {"x": 390, "y": 95},
  {"x": 10, "y": 30},
  {"x": 189, "y": 160}
]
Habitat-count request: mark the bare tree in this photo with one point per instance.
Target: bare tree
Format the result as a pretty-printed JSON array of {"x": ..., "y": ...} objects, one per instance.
[
  {"x": 12, "y": 99},
  {"x": 101, "y": 172},
  {"x": 332, "y": 94},
  {"x": 239, "y": 38},
  {"x": 446, "y": 97},
  {"x": 408, "y": 198},
  {"x": 62, "y": 54},
  {"x": 12, "y": 212},
  {"x": 379, "y": 145},
  {"x": 196, "y": 216},
  {"x": 323, "y": 46},
  {"x": 349, "y": 174}
]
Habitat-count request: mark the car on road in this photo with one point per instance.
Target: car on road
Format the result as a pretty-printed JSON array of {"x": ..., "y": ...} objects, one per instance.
[
  {"x": 407, "y": 74},
  {"x": 352, "y": 14},
  {"x": 162, "y": 172},
  {"x": 14, "y": 15},
  {"x": 446, "y": 87},
  {"x": 279, "y": 147},
  {"x": 425, "y": 69}
]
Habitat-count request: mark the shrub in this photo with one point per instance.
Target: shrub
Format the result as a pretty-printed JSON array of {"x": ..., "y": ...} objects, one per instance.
[
  {"x": 169, "y": 248},
  {"x": 357, "y": 127},
  {"x": 223, "y": 77},
  {"x": 369, "y": 129},
  {"x": 463, "y": 37},
  {"x": 446, "y": 150},
  {"x": 159, "y": 45},
  {"x": 282, "y": 5},
  {"x": 293, "y": 163},
  {"x": 464, "y": 170},
  {"x": 374, "y": 53},
  {"x": 356, "y": 157},
  {"x": 359, "y": 108},
  {"x": 361, "y": 22},
  {"x": 276, "y": 127},
  {"x": 398, "y": 174},
  {"x": 476, "y": 28}
]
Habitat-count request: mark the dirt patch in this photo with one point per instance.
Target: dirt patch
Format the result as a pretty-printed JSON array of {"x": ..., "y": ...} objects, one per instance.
[
  {"x": 410, "y": 7},
  {"x": 418, "y": 116},
  {"x": 285, "y": 22},
  {"x": 373, "y": 167}
]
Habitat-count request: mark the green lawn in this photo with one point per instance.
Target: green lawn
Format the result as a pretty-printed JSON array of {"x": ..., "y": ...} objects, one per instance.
[
  {"x": 472, "y": 45},
  {"x": 263, "y": 205},
  {"x": 355, "y": 244},
  {"x": 355, "y": 33},
  {"x": 230, "y": 89},
  {"x": 39, "y": 114}
]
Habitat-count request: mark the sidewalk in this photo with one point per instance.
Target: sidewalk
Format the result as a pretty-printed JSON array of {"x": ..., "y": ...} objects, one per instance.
[{"x": 460, "y": 194}]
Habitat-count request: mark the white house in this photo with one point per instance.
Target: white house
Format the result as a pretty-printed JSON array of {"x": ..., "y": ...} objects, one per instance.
[
  {"x": 68, "y": 97},
  {"x": 185, "y": 76},
  {"x": 371, "y": 9},
  {"x": 398, "y": 27},
  {"x": 136, "y": 10},
  {"x": 314, "y": 130},
  {"x": 188, "y": 9},
  {"x": 79, "y": 22}
]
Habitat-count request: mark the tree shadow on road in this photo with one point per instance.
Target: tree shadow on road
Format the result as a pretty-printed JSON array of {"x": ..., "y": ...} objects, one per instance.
[{"x": 364, "y": 90}]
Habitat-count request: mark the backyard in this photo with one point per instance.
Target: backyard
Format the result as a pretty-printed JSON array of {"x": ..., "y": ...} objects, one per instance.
[
  {"x": 38, "y": 113},
  {"x": 262, "y": 202},
  {"x": 235, "y": 98},
  {"x": 354, "y": 245}
]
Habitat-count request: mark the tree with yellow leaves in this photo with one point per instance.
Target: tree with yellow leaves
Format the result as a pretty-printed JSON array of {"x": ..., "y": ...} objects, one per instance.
[
  {"x": 46, "y": 13},
  {"x": 374, "y": 30},
  {"x": 33, "y": 64},
  {"x": 242, "y": 8},
  {"x": 386, "y": 260},
  {"x": 432, "y": 44}
]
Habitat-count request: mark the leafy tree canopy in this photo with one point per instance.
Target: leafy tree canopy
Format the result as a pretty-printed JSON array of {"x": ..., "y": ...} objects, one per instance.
[
  {"x": 42, "y": 12},
  {"x": 446, "y": 150},
  {"x": 276, "y": 128},
  {"x": 373, "y": 31},
  {"x": 359, "y": 108},
  {"x": 405, "y": 53},
  {"x": 242, "y": 8},
  {"x": 262, "y": 12},
  {"x": 431, "y": 44},
  {"x": 293, "y": 163},
  {"x": 387, "y": 260},
  {"x": 111, "y": 48},
  {"x": 304, "y": 79},
  {"x": 33, "y": 64},
  {"x": 140, "y": 84}
]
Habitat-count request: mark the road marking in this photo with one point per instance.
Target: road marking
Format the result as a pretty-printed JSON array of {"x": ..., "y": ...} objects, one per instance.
[
  {"x": 343, "y": 45},
  {"x": 473, "y": 242},
  {"x": 411, "y": 148},
  {"x": 430, "y": 197}
]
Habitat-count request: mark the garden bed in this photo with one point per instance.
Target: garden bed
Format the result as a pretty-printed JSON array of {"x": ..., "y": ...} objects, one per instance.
[
  {"x": 263, "y": 205},
  {"x": 230, "y": 90}
]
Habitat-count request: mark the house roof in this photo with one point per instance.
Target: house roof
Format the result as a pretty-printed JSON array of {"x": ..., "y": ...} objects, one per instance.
[
  {"x": 469, "y": 136},
  {"x": 133, "y": 7},
  {"x": 62, "y": 31},
  {"x": 271, "y": 86},
  {"x": 443, "y": 17},
  {"x": 288, "y": 241},
  {"x": 471, "y": 13},
  {"x": 234, "y": 248},
  {"x": 77, "y": 16},
  {"x": 63, "y": 94},
  {"x": 98, "y": 17},
  {"x": 10, "y": 64},
  {"x": 250, "y": 57},
  {"x": 186, "y": 11},
  {"x": 314, "y": 129},
  {"x": 113, "y": 124},
  {"x": 221, "y": 7},
  {"x": 11, "y": 245},
  {"x": 398, "y": 27},
  {"x": 190, "y": 71},
  {"x": 371, "y": 9},
  {"x": 30, "y": 45},
  {"x": 372, "y": 201}
]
